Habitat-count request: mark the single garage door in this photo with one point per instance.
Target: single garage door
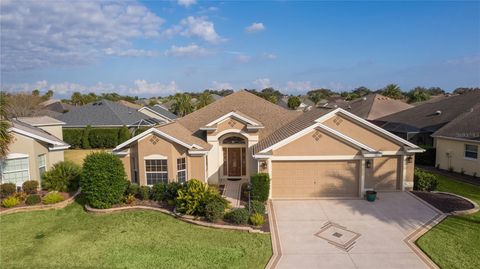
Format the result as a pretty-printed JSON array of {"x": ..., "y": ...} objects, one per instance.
[{"x": 304, "y": 179}]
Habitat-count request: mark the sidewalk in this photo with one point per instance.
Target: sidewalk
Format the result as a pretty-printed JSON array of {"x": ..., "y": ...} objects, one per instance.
[{"x": 456, "y": 176}]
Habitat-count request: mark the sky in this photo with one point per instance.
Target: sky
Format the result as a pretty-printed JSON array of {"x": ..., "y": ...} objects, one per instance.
[{"x": 157, "y": 48}]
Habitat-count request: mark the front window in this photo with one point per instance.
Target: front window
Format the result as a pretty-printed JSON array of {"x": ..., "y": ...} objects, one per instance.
[
  {"x": 471, "y": 151},
  {"x": 157, "y": 171},
  {"x": 15, "y": 171},
  {"x": 42, "y": 167},
  {"x": 181, "y": 170}
]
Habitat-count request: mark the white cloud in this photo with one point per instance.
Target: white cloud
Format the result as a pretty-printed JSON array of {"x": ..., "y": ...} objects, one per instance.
[
  {"x": 255, "y": 27},
  {"x": 157, "y": 88},
  {"x": 243, "y": 59},
  {"x": 190, "y": 50},
  {"x": 262, "y": 83},
  {"x": 269, "y": 56},
  {"x": 40, "y": 33},
  {"x": 200, "y": 27},
  {"x": 298, "y": 86},
  {"x": 221, "y": 85},
  {"x": 186, "y": 3},
  {"x": 131, "y": 52}
]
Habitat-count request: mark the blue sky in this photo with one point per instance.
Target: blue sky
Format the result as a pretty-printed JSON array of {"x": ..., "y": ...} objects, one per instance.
[{"x": 158, "y": 48}]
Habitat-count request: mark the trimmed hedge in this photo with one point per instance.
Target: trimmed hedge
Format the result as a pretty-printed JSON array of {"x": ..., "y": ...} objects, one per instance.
[
  {"x": 424, "y": 181},
  {"x": 33, "y": 199},
  {"x": 7, "y": 189},
  {"x": 30, "y": 186},
  {"x": 103, "y": 180},
  {"x": 86, "y": 138},
  {"x": 238, "y": 216},
  {"x": 73, "y": 137},
  {"x": 260, "y": 187},
  {"x": 103, "y": 138}
]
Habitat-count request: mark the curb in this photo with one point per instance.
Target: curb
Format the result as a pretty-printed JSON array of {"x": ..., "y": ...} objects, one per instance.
[
  {"x": 60, "y": 205},
  {"x": 185, "y": 218}
]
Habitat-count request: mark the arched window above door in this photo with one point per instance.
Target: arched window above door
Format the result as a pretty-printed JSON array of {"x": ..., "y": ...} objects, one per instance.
[{"x": 233, "y": 140}]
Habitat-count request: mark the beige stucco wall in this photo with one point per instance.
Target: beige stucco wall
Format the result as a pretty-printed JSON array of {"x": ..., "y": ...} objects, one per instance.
[
  {"x": 308, "y": 146},
  {"x": 195, "y": 167},
  {"x": 55, "y": 130},
  {"x": 384, "y": 173},
  {"x": 457, "y": 160},
  {"x": 225, "y": 125},
  {"x": 409, "y": 169},
  {"x": 362, "y": 134}
]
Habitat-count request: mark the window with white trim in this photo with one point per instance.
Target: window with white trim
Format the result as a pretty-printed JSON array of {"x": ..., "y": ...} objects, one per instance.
[
  {"x": 15, "y": 171},
  {"x": 181, "y": 170},
  {"x": 42, "y": 164},
  {"x": 471, "y": 151},
  {"x": 156, "y": 171}
]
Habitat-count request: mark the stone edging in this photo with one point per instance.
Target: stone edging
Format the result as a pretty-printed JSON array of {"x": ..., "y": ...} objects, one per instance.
[
  {"x": 185, "y": 218},
  {"x": 276, "y": 248},
  {"x": 59, "y": 205},
  {"x": 475, "y": 208}
]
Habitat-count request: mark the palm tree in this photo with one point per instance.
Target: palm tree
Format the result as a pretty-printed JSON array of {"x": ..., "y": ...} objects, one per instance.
[
  {"x": 204, "y": 99},
  {"x": 182, "y": 104},
  {"x": 5, "y": 137},
  {"x": 392, "y": 91}
]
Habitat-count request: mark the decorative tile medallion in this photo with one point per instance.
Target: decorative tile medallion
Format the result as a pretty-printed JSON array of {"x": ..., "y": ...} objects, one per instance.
[
  {"x": 154, "y": 140},
  {"x": 338, "y": 120},
  {"x": 232, "y": 123},
  {"x": 317, "y": 135},
  {"x": 338, "y": 235}
]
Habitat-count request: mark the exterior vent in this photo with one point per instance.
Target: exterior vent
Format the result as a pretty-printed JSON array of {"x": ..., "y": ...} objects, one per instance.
[{"x": 438, "y": 112}]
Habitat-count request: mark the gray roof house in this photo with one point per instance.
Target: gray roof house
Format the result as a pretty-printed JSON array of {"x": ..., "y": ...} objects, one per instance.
[
  {"x": 106, "y": 113},
  {"x": 158, "y": 112}
]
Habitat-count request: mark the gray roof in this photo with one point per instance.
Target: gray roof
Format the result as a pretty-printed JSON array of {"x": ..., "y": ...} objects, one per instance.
[
  {"x": 105, "y": 113},
  {"x": 431, "y": 116},
  {"x": 162, "y": 111},
  {"x": 37, "y": 133},
  {"x": 466, "y": 126}
]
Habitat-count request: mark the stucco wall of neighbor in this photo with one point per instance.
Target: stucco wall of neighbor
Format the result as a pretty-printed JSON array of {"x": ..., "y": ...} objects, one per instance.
[
  {"x": 361, "y": 134},
  {"x": 55, "y": 130},
  {"x": 307, "y": 145},
  {"x": 457, "y": 158},
  {"x": 229, "y": 123},
  {"x": 25, "y": 145}
]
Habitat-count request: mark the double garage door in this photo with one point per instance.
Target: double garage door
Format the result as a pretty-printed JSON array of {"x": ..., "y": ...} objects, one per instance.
[{"x": 304, "y": 179}]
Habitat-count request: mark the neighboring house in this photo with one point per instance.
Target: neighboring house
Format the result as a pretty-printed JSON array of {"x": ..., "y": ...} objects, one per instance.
[
  {"x": 319, "y": 153},
  {"x": 304, "y": 105},
  {"x": 458, "y": 143},
  {"x": 158, "y": 112},
  {"x": 57, "y": 106},
  {"x": 106, "y": 114},
  {"x": 374, "y": 106},
  {"x": 37, "y": 145},
  {"x": 417, "y": 124},
  {"x": 129, "y": 104}
]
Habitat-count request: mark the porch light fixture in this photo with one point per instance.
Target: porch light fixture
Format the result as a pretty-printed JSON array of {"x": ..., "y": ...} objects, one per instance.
[
  {"x": 368, "y": 164},
  {"x": 263, "y": 165},
  {"x": 409, "y": 159}
]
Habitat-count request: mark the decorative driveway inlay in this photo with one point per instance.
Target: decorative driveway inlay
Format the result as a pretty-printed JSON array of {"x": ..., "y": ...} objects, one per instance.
[{"x": 338, "y": 235}]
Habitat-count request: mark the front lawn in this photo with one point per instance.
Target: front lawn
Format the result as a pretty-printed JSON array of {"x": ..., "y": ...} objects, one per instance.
[
  {"x": 455, "y": 242},
  {"x": 71, "y": 237},
  {"x": 77, "y": 155}
]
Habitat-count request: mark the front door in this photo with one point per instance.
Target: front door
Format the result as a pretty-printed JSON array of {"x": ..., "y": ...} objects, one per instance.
[{"x": 234, "y": 162}]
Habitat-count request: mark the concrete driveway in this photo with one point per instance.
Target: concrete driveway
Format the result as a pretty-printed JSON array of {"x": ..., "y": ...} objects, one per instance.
[{"x": 349, "y": 233}]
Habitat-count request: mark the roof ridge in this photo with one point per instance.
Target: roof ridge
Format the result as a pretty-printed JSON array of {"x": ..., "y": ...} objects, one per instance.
[{"x": 114, "y": 104}]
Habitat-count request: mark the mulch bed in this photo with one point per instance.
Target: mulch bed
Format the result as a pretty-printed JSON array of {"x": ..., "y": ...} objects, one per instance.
[
  {"x": 444, "y": 202},
  {"x": 65, "y": 195}
]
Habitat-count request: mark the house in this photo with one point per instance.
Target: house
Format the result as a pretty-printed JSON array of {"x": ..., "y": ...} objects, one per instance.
[
  {"x": 129, "y": 104},
  {"x": 36, "y": 146},
  {"x": 158, "y": 112},
  {"x": 417, "y": 124},
  {"x": 107, "y": 114},
  {"x": 373, "y": 106},
  {"x": 319, "y": 153},
  {"x": 304, "y": 105},
  {"x": 458, "y": 143}
]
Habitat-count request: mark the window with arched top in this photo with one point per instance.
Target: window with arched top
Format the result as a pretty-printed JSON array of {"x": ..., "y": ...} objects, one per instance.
[{"x": 233, "y": 140}]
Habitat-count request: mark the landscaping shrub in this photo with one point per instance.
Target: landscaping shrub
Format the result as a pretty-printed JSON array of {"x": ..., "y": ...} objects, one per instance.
[
  {"x": 215, "y": 208},
  {"x": 33, "y": 199},
  {"x": 64, "y": 176},
  {"x": 158, "y": 191},
  {"x": 30, "y": 186},
  {"x": 257, "y": 219},
  {"x": 10, "y": 201},
  {"x": 123, "y": 134},
  {"x": 73, "y": 137},
  {"x": 103, "y": 137},
  {"x": 424, "y": 181},
  {"x": 103, "y": 179},
  {"x": 7, "y": 189},
  {"x": 260, "y": 187},
  {"x": 172, "y": 190},
  {"x": 257, "y": 207},
  {"x": 130, "y": 199},
  {"x": 144, "y": 192},
  {"x": 52, "y": 198},
  {"x": 133, "y": 188},
  {"x": 86, "y": 137},
  {"x": 238, "y": 216},
  {"x": 193, "y": 198},
  {"x": 21, "y": 196}
]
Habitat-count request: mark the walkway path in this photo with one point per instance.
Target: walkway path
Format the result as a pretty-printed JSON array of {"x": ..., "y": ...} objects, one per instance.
[{"x": 232, "y": 192}]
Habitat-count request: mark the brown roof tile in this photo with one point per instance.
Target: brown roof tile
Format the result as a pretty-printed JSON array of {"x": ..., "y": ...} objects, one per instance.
[{"x": 183, "y": 134}]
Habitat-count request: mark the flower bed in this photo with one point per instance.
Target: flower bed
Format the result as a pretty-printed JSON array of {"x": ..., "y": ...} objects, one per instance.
[{"x": 67, "y": 198}]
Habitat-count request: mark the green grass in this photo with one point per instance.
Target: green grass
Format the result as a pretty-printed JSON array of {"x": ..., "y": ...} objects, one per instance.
[
  {"x": 72, "y": 238},
  {"x": 455, "y": 242},
  {"x": 77, "y": 155}
]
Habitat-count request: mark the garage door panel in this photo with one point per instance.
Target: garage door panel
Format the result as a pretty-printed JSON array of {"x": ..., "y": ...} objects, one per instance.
[{"x": 302, "y": 179}]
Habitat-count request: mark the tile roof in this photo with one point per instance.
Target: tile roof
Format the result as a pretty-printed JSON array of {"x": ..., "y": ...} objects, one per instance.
[
  {"x": 178, "y": 131},
  {"x": 465, "y": 126},
  {"x": 431, "y": 116},
  {"x": 40, "y": 121},
  {"x": 35, "y": 131},
  {"x": 163, "y": 111},
  {"x": 271, "y": 116},
  {"x": 104, "y": 113},
  {"x": 307, "y": 119},
  {"x": 374, "y": 106}
]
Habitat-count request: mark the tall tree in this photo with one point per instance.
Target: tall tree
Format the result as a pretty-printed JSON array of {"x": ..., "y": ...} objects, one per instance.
[
  {"x": 22, "y": 105},
  {"x": 36, "y": 92},
  {"x": 315, "y": 97},
  {"x": 361, "y": 91},
  {"x": 294, "y": 102},
  {"x": 48, "y": 95},
  {"x": 393, "y": 91},
  {"x": 5, "y": 137},
  {"x": 182, "y": 104},
  {"x": 418, "y": 94},
  {"x": 204, "y": 99}
]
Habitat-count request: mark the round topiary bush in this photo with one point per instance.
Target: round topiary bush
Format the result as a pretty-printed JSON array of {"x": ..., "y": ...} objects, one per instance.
[
  {"x": 64, "y": 176},
  {"x": 7, "y": 189},
  {"x": 257, "y": 219},
  {"x": 424, "y": 181},
  {"x": 103, "y": 180},
  {"x": 238, "y": 216},
  {"x": 33, "y": 199},
  {"x": 30, "y": 186}
]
